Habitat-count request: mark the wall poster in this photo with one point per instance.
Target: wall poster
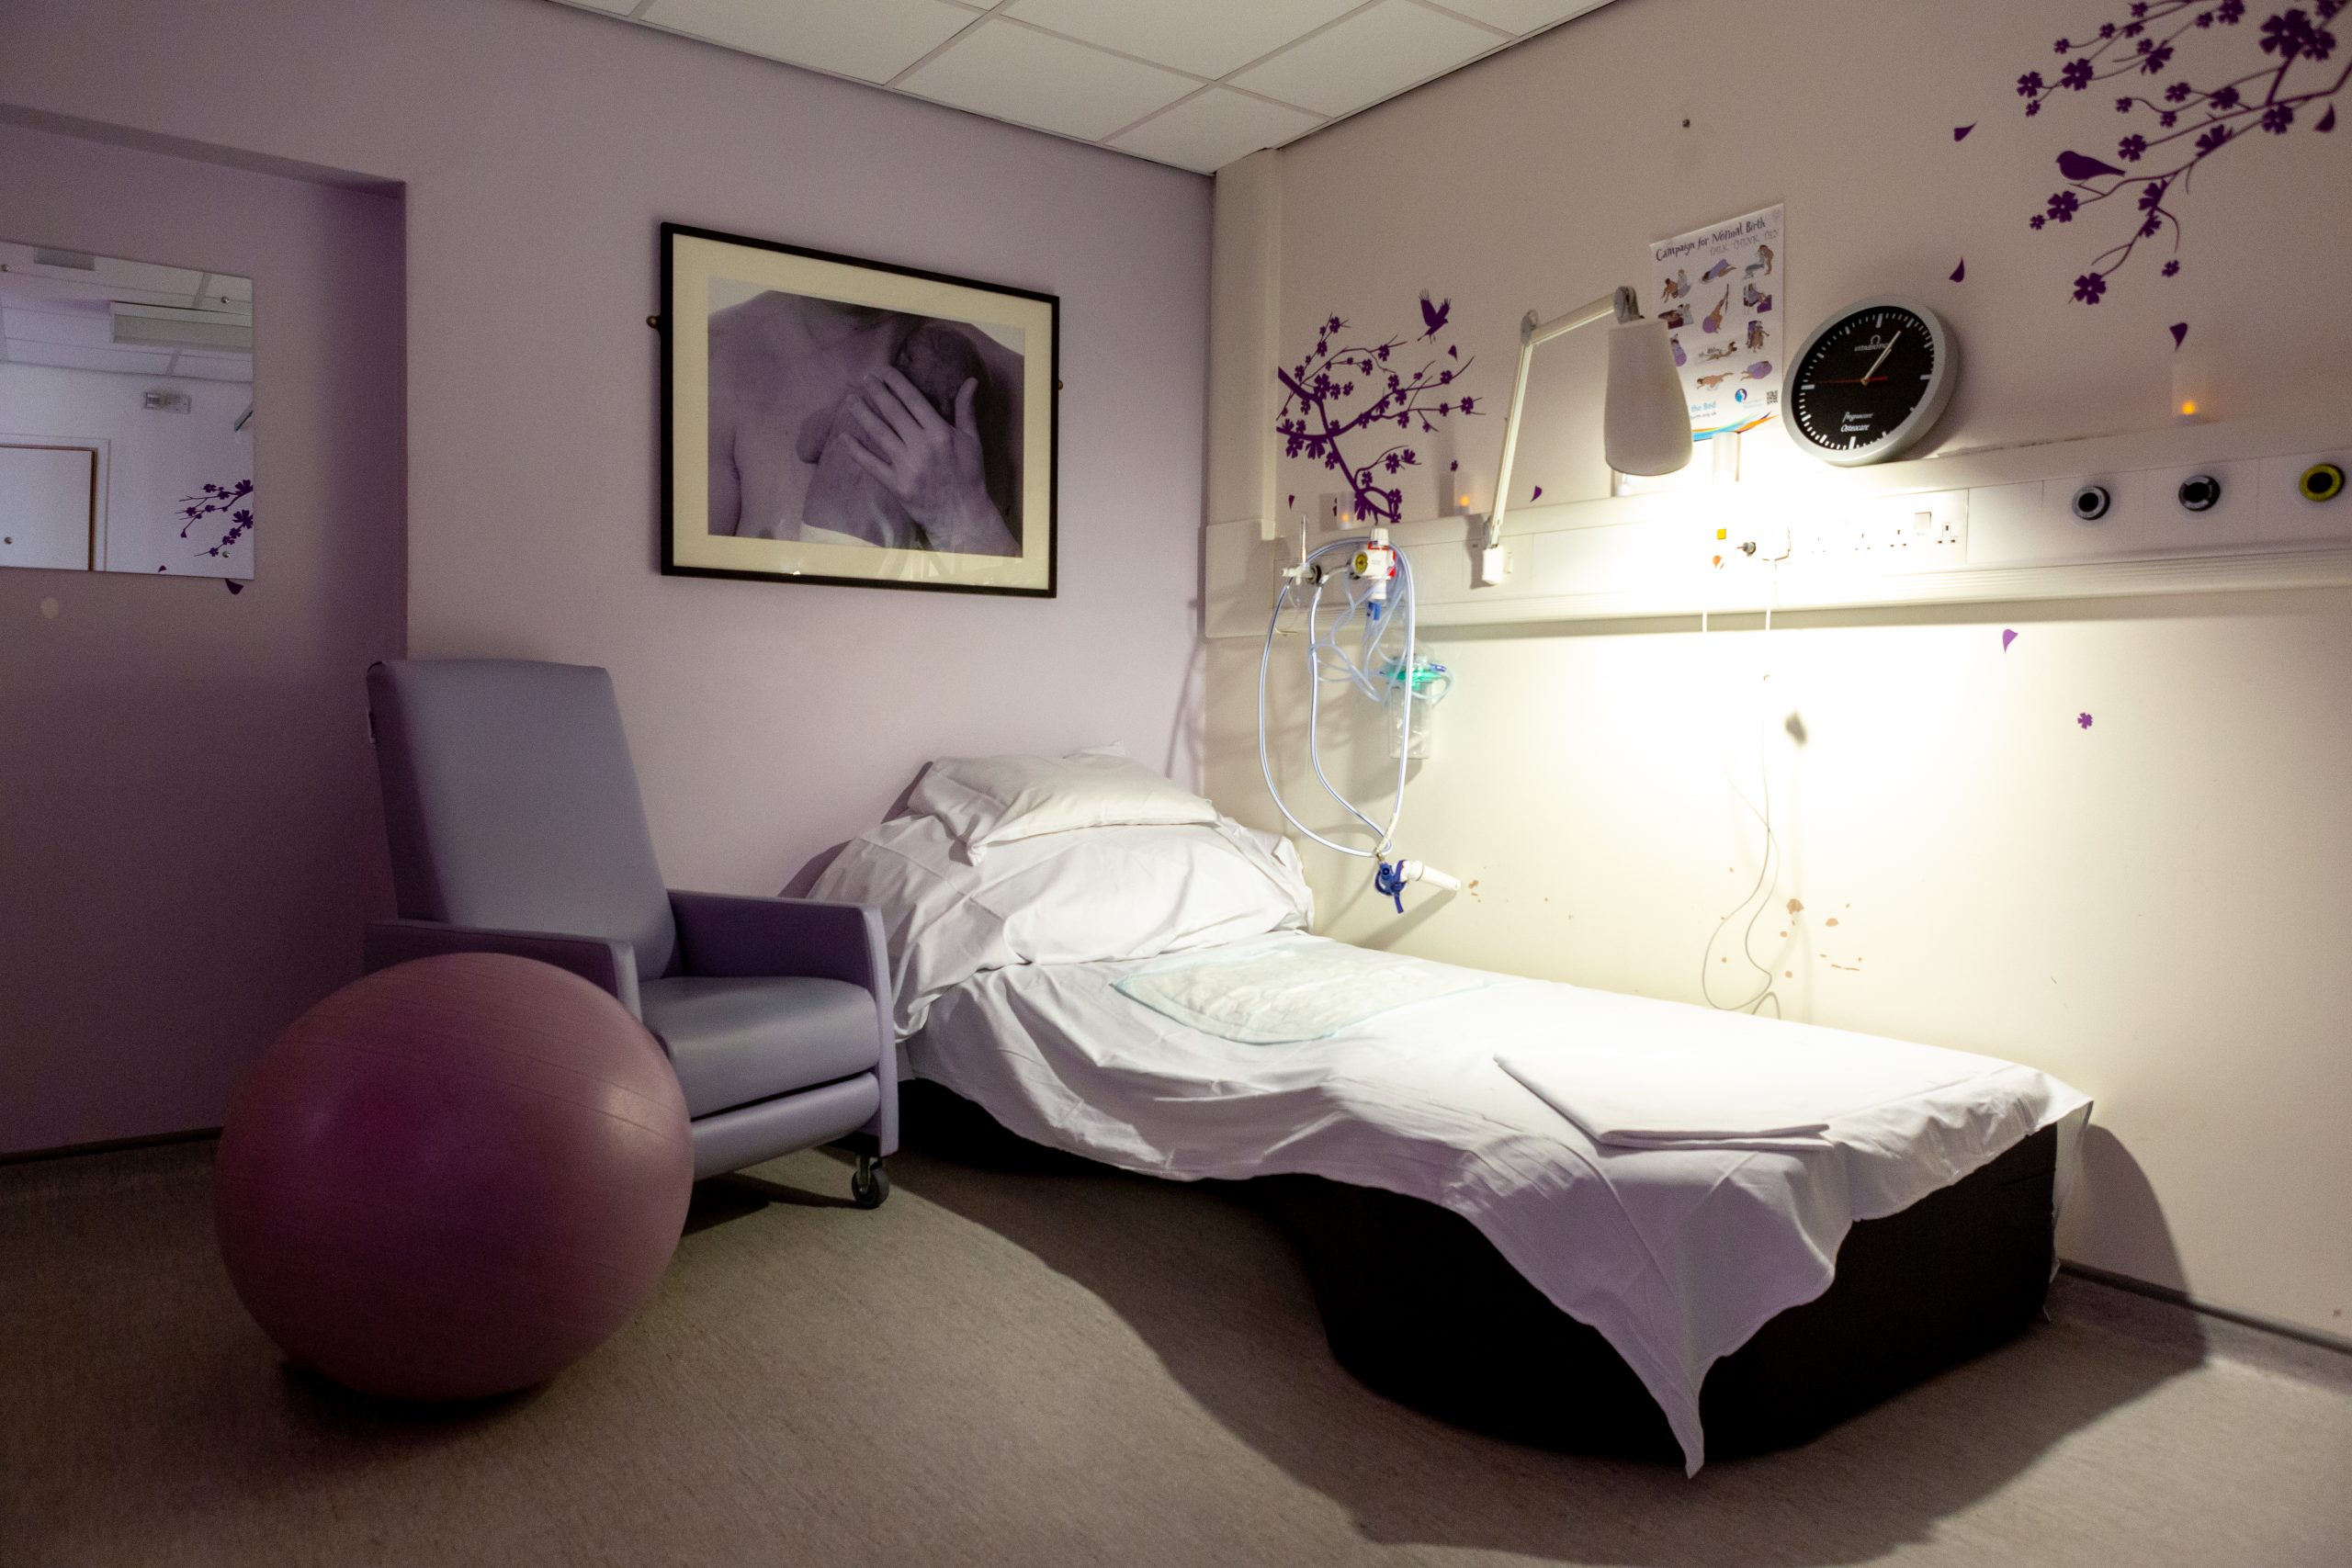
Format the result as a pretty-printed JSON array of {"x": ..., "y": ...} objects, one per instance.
[{"x": 1718, "y": 290}]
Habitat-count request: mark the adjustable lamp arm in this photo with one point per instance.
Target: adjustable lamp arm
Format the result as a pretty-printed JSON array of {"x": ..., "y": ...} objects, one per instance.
[{"x": 1619, "y": 305}]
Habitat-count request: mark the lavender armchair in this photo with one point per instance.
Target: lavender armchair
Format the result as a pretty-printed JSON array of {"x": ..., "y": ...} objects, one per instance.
[{"x": 516, "y": 827}]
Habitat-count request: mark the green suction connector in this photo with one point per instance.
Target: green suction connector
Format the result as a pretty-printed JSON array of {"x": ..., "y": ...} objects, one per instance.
[{"x": 2320, "y": 482}]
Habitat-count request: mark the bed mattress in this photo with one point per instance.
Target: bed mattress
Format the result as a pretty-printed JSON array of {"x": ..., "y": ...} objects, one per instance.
[{"x": 1675, "y": 1259}]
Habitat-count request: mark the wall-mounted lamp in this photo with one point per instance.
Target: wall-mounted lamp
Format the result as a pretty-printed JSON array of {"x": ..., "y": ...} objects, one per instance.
[{"x": 1645, "y": 427}]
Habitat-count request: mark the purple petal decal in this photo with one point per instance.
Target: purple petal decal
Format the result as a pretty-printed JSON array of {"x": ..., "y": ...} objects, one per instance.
[
  {"x": 1960, "y": 272},
  {"x": 2084, "y": 719},
  {"x": 1537, "y": 496},
  {"x": 2179, "y": 330},
  {"x": 2007, "y": 637},
  {"x": 2327, "y": 120},
  {"x": 234, "y": 586},
  {"x": 1959, "y": 132},
  {"x": 1453, "y": 467}
]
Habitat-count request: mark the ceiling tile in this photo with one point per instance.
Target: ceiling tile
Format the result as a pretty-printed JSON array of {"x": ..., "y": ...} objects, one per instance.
[
  {"x": 146, "y": 361},
  {"x": 88, "y": 329},
  {"x": 1207, "y": 132},
  {"x": 1207, "y": 38},
  {"x": 870, "y": 40},
  {"x": 1014, "y": 73},
  {"x": 1521, "y": 17},
  {"x": 1369, "y": 57}
]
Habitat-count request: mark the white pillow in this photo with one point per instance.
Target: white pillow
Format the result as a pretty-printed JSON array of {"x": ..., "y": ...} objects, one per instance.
[
  {"x": 1071, "y": 898},
  {"x": 987, "y": 801}
]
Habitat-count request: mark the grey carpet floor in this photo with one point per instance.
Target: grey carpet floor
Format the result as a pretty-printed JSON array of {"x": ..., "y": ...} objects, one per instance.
[{"x": 1046, "y": 1367}]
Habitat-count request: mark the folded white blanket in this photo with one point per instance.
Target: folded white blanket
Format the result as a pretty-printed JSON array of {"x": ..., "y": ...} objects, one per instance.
[{"x": 1725, "y": 1080}]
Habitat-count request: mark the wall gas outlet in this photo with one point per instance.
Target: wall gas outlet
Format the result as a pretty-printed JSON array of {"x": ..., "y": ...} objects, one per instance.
[{"x": 2288, "y": 515}]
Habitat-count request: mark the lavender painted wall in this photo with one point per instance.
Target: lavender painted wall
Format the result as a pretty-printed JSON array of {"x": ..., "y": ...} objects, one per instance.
[
  {"x": 539, "y": 146},
  {"x": 187, "y": 835}
]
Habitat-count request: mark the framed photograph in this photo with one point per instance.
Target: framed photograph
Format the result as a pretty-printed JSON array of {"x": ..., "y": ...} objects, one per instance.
[{"x": 829, "y": 420}]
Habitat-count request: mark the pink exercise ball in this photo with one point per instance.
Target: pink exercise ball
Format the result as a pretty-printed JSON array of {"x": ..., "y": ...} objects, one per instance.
[{"x": 454, "y": 1178}]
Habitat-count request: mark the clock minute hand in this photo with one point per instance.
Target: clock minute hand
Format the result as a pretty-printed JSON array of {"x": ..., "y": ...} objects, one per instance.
[{"x": 1881, "y": 358}]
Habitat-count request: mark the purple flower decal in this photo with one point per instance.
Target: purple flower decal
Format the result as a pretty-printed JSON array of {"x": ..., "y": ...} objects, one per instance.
[
  {"x": 2007, "y": 637},
  {"x": 2223, "y": 90},
  {"x": 1324, "y": 417},
  {"x": 213, "y": 501},
  {"x": 2084, "y": 719}
]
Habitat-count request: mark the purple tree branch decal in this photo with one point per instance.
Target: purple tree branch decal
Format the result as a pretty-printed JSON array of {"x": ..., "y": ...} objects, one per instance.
[
  {"x": 1344, "y": 396},
  {"x": 2177, "y": 125},
  {"x": 216, "y": 501}
]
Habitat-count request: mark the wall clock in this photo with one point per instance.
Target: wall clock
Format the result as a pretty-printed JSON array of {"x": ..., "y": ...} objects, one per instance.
[{"x": 1871, "y": 381}]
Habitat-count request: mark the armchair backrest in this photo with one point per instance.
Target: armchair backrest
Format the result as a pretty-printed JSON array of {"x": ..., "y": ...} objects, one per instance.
[{"x": 510, "y": 802}]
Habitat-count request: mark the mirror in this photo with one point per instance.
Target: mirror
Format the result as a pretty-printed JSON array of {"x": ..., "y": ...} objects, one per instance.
[{"x": 126, "y": 416}]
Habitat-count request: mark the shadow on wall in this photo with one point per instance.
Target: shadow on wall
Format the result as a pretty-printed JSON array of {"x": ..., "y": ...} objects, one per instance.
[
  {"x": 2114, "y": 1199},
  {"x": 1209, "y": 1282}
]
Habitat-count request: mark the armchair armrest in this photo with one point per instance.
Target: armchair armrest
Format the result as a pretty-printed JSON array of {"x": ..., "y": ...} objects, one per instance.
[
  {"x": 724, "y": 936},
  {"x": 608, "y": 965}
]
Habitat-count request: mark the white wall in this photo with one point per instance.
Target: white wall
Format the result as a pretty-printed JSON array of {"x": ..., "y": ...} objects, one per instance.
[
  {"x": 158, "y": 459},
  {"x": 541, "y": 146},
  {"x": 2152, "y": 908},
  {"x": 190, "y": 838}
]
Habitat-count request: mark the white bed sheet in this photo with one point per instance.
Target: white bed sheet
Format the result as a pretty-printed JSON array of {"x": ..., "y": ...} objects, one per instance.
[{"x": 1676, "y": 1256}]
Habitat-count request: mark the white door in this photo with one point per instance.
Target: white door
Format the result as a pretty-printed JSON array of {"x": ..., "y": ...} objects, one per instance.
[{"x": 48, "y": 506}]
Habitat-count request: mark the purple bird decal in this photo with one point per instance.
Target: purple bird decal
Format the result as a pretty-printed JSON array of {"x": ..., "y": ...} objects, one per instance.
[
  {"x": 2179, "y": 331},
  {"x": 2007, "y": 637},
  {"x": 1714, "y": 272},
  {"x": 1960, "y": 271},
  {"x": 1959, "y": 132},
  {"x": 1433, "y": 316},
  {"x": 2080, "y": 167}
]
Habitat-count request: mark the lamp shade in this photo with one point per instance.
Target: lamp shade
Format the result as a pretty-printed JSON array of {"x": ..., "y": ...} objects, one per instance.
[{"x": 1646, "y": 428}]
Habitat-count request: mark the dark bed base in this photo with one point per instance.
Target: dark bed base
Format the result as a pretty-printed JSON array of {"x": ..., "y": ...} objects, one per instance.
[{"x": 1418, "y": 1306}]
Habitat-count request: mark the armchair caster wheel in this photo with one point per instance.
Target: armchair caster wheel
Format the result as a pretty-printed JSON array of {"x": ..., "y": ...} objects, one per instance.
[{"x": 869, "y": 1183}]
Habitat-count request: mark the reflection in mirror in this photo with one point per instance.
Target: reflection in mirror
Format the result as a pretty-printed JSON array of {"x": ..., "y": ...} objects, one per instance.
[{"x": 126, "y": 416}]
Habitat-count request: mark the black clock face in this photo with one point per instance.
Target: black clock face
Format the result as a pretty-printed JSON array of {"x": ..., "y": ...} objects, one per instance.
[{"x": 1862, "y": 378}]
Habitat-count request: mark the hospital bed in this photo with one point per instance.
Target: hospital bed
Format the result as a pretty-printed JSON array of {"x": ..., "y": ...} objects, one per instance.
[{"x": 1598, "y": 1223}]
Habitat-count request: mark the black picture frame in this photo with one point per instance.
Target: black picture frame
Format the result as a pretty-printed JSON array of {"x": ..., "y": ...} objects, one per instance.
[{"x": 698, "y": 265}]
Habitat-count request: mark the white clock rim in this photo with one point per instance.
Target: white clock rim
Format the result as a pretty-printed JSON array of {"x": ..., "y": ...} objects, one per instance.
[{"x": 1920, "y": 420}]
